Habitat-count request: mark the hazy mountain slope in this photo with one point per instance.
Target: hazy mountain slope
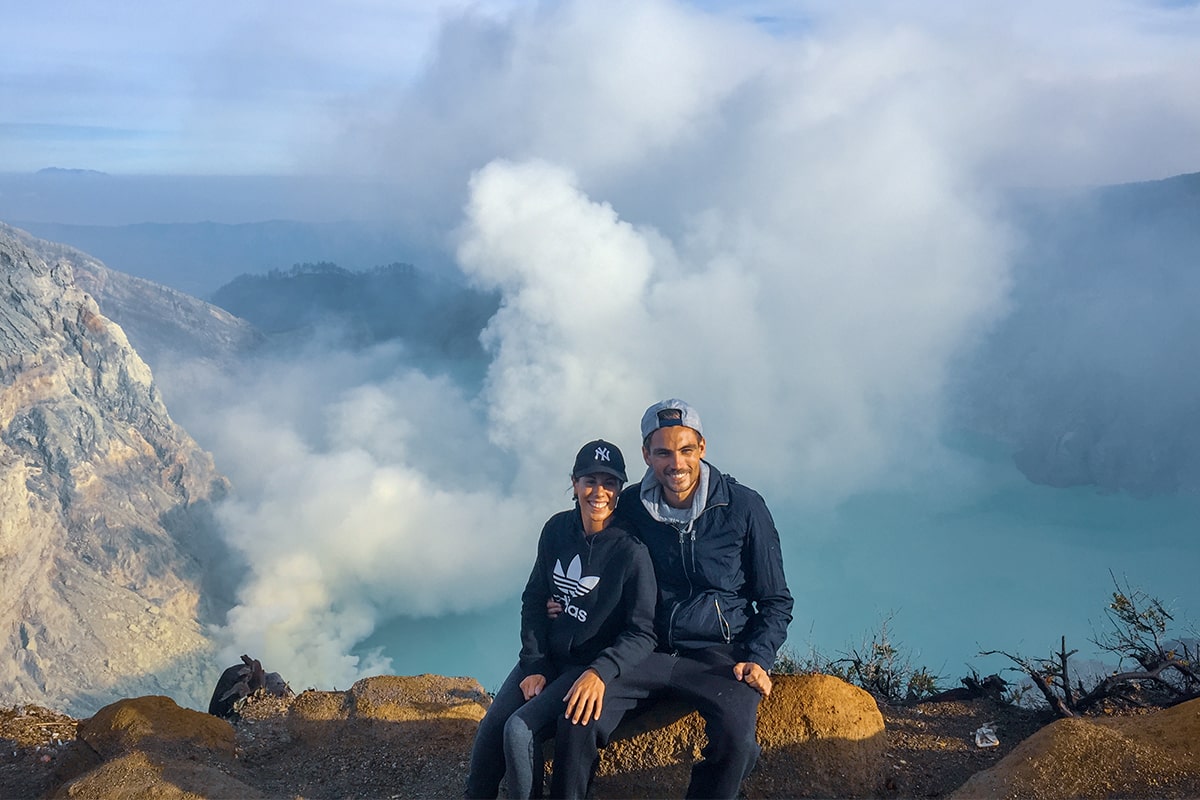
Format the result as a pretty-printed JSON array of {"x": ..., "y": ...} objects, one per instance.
[
  {"x": 1091, "y": 378},
  {"x": 103, "y": 507},
  {"x": 160, "y": 322}
]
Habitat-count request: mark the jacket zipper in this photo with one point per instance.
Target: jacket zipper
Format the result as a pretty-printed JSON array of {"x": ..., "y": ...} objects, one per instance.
[
  {"x": 724, "y": 625},
  {"x": 691, "y": 587},
  {"x": 686, "y": 533}
]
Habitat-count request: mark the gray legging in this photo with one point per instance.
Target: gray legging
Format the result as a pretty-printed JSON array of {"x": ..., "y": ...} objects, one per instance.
[{"x": 509, "y": 736}]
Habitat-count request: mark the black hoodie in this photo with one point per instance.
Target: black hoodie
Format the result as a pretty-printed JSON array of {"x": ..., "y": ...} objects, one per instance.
[{"x": 605, "y": 583}]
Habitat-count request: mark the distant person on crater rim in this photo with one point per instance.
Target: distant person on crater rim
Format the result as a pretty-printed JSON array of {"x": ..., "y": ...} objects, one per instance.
[
  {"x": 723, "y": 601},
  {"x": 601, "y": 579}
]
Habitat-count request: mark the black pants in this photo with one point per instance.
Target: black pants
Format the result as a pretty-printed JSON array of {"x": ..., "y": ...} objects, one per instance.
[{"x": 702, "y": 678}]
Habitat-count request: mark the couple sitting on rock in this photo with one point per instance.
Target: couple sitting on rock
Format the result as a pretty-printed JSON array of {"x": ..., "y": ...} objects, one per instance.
[{"x": 676, "y": 591}]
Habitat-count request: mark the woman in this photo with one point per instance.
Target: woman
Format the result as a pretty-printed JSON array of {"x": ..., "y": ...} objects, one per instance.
[{"x": 604, "y": 580}]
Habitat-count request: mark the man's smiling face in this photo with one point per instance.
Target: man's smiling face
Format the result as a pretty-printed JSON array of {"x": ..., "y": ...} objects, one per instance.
[{"x": 673, "y": 454}]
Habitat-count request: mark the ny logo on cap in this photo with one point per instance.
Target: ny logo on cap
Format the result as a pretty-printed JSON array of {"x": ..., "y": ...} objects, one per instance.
[{"x": 602, "y": 454}]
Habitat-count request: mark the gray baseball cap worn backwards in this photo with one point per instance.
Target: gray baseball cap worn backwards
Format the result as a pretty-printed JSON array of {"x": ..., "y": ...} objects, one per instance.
[{"x": 668, "y": 413}]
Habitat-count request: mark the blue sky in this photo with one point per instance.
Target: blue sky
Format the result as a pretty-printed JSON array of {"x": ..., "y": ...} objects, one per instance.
[
  {"x": 195, "y": 86},
  {"x": 264, "y": 87}
]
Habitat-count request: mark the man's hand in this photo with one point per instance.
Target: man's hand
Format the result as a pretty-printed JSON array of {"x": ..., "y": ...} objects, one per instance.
[
  {"x": 553, "y": 608},
  {"x": 532, "y": 686},
  {"x": 585, "y": 699},
  {"x": 755, "y": 676}
]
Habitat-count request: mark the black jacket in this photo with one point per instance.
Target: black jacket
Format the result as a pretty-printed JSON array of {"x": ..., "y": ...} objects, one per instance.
[
  {"x": 720, "y": 580},
  {"x": 606, "y": 584}
]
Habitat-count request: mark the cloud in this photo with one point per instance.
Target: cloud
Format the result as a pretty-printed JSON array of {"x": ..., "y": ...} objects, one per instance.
[
  {"x": 632, "y": 96},
  {"x": 1068, "y": 88},
  {"x": 210, "y": 84},
  {"x": 1066, "y": 91}
]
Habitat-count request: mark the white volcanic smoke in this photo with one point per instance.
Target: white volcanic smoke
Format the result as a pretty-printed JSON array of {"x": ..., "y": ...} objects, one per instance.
[
  {"x": 570, "y": 340},
  {"x": 796, "y": 364},
  {"x": 777, "y": 228}
]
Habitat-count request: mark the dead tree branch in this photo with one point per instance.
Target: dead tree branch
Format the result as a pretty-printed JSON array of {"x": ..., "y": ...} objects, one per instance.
[
  {"x": 1139, "y": 623},
  {"x": 1043, "y": 678}
]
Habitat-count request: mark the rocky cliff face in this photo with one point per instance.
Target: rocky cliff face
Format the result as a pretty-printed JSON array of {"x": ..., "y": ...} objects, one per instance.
[{"x": 103, "y": 506}]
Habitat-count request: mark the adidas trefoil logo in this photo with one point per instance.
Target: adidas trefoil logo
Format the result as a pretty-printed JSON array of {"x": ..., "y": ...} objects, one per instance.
[{"x": 572, "y": 584}]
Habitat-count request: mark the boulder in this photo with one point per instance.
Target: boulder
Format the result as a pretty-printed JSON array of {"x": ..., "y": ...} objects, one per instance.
[
  {"x": 1151, "y": 755},
  {"x": 408, "y": 698},
  {"x": 432, "y": 703},
  {"x": 149, "y": 747},
  {"x": 820, "y": 737},
  {"x": 155, "y": 723},
  {"x": 144, "y": 776}
]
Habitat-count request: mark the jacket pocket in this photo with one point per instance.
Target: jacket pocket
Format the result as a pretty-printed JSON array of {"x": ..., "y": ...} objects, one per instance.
[{"x": 706, "y": 619}]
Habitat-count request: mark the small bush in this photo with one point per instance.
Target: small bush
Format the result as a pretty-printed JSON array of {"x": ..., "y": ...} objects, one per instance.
[{"x": 877, "y": 665}]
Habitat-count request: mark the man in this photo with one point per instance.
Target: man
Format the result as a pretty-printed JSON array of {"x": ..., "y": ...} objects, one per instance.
[{"x": 723, "y": 602}]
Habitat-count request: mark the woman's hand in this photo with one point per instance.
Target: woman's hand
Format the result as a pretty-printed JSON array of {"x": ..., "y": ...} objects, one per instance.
[
  {"x": 585, "y": 700},
  {"x": 553, "y": 608},
  {"x": 532, "y": 686}
]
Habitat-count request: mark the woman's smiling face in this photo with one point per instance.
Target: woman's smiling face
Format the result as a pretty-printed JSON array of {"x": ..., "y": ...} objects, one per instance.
[{"x": 597, "y": 494}]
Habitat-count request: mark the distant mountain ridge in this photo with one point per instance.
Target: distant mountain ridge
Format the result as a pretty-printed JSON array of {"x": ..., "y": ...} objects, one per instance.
[
  {"x": 435, "y": 318},
  {"x": 197, "y": 257},
  {"x": 70, "y": 171}
]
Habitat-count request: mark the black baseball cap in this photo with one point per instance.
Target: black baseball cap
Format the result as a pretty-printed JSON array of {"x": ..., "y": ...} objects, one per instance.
[{"x": 600, "y": 456}]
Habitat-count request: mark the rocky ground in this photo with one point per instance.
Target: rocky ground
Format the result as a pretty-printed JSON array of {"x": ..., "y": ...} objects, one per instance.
[
  {"x": 36, "y": 744},
  {"x": 931, "y": 751},
  {"x": 932, "y": 747}
]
